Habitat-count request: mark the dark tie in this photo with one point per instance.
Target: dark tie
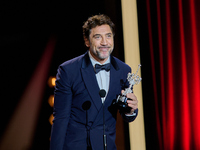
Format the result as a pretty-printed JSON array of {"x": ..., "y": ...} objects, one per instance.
[{"x": 102, "y": 67}]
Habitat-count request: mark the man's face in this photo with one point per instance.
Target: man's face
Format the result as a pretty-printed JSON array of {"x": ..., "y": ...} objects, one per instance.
[{"x": 100, "y": 43}]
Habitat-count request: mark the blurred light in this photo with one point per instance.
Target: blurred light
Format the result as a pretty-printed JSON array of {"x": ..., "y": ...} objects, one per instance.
[
  {"x": 51, "y": 100},
  {"x": 52, "y": 82},
  {"x": 51, "y": 119}
]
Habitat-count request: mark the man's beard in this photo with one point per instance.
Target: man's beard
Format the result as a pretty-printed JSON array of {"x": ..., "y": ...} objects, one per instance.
[{"x": 102, "y": 56}]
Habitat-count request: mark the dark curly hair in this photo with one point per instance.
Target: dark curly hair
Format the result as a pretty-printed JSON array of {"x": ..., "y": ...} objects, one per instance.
[{"x": 94, "y": 21}]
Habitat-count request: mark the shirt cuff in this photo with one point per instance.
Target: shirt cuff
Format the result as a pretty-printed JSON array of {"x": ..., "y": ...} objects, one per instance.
[{"x": 133, "y": 114}]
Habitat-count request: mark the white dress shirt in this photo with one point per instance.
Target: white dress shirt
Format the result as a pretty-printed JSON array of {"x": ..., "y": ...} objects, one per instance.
[{"x": 103, "y": 77}]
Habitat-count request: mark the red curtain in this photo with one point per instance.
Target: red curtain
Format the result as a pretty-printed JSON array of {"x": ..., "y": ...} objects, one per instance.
[{"x": 174, "y": 44}]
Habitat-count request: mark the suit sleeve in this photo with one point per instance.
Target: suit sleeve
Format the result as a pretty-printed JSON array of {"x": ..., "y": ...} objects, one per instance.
[{"x": 62, "y": 108}]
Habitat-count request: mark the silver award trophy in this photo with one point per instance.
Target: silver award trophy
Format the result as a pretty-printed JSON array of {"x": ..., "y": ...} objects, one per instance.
[{"x": 122, "y": 99}]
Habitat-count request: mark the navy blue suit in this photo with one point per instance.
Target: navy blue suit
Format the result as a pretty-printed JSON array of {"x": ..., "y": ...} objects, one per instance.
[{"x": 75, "y": 84}]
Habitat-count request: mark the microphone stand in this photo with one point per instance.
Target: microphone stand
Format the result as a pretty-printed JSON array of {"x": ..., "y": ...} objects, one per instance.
[
  {"x": 104, "y": 126},
  {"x": 86, "y": 106},
  {"x": 102, "y": 94}
]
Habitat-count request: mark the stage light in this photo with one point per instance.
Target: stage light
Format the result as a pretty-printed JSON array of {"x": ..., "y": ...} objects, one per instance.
[
  {"x": 52, "y": 82},
  {"x": 51, "y": 119},
  {"x": 51, "y": 100}
]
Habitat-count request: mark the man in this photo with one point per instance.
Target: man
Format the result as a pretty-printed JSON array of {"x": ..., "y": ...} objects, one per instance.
[{"x": 82, "y": 115}]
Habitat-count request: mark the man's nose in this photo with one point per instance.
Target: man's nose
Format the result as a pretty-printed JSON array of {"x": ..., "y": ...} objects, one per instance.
[{"x": 104, "y": 41}]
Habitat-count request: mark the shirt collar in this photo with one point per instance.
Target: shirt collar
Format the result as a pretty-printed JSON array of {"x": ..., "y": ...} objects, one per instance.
[{"x": 93, "y": 61}]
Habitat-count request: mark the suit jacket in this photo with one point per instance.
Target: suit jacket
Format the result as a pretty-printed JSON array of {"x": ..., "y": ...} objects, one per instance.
[{"x": 74, "y": 127}]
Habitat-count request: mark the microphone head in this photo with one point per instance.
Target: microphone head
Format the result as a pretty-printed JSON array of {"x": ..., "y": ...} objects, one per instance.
[
  {"x": 102, "y": 93},
  {"x": 86, "y": 105}
]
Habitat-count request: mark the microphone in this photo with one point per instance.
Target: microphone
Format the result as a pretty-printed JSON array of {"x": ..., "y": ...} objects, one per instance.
[
  {"x": 86, "y": 105},
  {"x": 102, "y": 94}
]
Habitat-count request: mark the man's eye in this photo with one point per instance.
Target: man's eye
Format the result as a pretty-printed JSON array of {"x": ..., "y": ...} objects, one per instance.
[
  {"x": 97, "y": 37},
  {"x": 109, "y": 36}
]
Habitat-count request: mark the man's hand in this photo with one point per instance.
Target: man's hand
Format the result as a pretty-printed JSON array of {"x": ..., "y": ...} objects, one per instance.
[{"x": 132, "y": 102}]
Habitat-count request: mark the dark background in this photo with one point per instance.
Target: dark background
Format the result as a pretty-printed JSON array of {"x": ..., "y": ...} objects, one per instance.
[{"x": 26, "y": 27}]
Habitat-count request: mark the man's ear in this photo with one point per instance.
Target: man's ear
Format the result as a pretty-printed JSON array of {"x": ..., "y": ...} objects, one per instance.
[{"x": 87, "y": 42}]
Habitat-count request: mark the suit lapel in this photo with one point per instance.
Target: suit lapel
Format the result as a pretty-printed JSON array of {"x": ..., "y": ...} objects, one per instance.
[
  {"x": 90, "y": 81},
  {"x": 114, "y": 76}
]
